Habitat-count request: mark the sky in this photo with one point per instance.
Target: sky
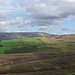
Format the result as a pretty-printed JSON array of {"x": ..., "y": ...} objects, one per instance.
[{"x": 50, "y": 16}]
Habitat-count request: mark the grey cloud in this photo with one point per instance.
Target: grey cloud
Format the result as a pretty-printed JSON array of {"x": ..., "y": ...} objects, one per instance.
[
  {"x": 3, "y": 17},
  {"x": 67, "y": 29},
  {"x": 4, "y": 23},
  {"x": 41, "y": 13},
  {"x": 51, "y": 12}
]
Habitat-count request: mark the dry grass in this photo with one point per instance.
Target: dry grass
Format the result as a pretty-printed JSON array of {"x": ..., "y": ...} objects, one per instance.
[{"x": 57, "y": 39}]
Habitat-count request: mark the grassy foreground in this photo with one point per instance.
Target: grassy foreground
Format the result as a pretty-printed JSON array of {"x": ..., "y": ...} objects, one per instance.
[{"x": 62, "y": 63}]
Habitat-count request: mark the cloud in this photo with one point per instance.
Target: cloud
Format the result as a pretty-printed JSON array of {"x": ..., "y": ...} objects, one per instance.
[
  {"x": 69, "y": 0},
  {"x": 51, "y": 12},
  {"x": 67, "y": 33},
  {"x": 19, "y": 21},
  {"x": 12, "y": 6},
  {"x": 43, "y": 13},
  {"x": 6, "y": 25},
  {"x": 67, "y": 29},
  {"x": 3, "y": 17},
  {"x": 45, "y": 28},
  {"x": 20, "y": 31}
]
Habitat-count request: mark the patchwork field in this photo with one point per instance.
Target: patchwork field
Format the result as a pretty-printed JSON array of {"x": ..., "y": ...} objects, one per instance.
[
  {"x": 38, "y": 56},
  {"x": 38, "y": 44},
  {"x": 24, "y": 45}
]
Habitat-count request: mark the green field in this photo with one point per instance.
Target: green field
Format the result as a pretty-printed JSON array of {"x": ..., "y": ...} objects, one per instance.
[
  {"x": 19, "y": 44},
  {"x": 38, "y": 44}
]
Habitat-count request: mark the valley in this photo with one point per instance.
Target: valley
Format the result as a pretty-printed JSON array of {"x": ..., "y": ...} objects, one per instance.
[{"x": 53, "y": 55}]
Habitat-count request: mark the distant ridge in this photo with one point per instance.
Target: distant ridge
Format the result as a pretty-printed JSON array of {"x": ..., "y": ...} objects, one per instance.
[{"x": 24, "y": 34}]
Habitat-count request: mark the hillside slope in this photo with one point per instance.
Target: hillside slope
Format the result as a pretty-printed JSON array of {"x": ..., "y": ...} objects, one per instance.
[
  {"x": 59, "y": 63},
  {"x": 38, "y": 56},
  {"x": 23, "y": 34},
  {"x": 38, "y": 44}
]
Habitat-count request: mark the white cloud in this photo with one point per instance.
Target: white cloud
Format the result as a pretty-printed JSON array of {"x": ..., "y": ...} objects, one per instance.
[
  {"x": 69, "y": 0},
  {"x": 8, "y": 24},
  {"x": 5, "y": 26},
  {"x": 20, "y": 21},
  {"x": 66, "y": 33},
  {"x": 45, "y": 28},
  {"x": 43, "y": 13},
  {"x": 12, "y": 6},
  {"x": 51, "y": 12},
  {"x": 20, "y": 31}
]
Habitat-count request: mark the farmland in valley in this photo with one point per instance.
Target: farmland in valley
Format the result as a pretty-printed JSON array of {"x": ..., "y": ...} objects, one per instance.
[{"x": 38, "y": 44}]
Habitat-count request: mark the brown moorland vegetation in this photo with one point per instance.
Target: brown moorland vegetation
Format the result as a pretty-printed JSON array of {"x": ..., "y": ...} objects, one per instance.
[{"x": 38, "y": 63}]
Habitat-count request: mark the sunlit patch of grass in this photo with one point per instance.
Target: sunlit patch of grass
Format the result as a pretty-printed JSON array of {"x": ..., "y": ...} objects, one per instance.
[{"x": 2, "y": 50}]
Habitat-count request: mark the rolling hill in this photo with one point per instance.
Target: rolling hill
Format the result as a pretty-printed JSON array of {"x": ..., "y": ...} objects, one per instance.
[
  {"x": 23, "y": 34},
  {"x": 37, "y": 44}
]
